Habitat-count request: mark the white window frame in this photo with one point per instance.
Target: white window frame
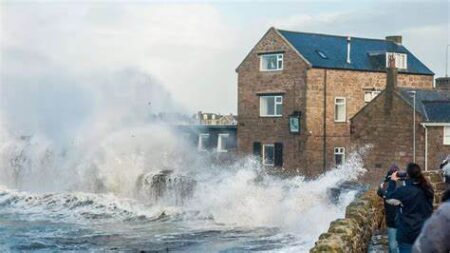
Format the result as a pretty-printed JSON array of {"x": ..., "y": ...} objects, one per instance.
[
  {"x": 219, "y": 142},
  {"x": 373, "y": 95},
  {"x": 275, "y": 103},
  {"x": 401, "y": 60},
  {"x": 264, "y": 154},
  {"x": 280, "y": 60},
  {"x": 335, "y": 109},
  {"x": 200, "y": 142},
  {"x": 446, "y": 138},
  {"x": 339, "y": 151}
]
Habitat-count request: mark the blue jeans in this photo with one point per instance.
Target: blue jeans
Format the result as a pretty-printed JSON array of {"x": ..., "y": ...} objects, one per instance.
[
  {"x": 392, "y": 240},
  {"x": 405, "y": 248}
]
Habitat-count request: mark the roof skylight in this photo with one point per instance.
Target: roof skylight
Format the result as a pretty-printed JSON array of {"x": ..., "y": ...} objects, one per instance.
[{"x": 321, "y": 54}]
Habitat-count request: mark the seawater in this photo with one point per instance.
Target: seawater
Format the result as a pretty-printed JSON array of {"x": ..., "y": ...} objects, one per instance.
[{"x": 95, "y": 196}]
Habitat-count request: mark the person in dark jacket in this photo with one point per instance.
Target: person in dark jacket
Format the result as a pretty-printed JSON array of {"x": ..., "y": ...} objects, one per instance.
[
  {"x": 435, "y": 235},
  {"x": 390, "y": 211},
  {"x": 415, "y": 199}
]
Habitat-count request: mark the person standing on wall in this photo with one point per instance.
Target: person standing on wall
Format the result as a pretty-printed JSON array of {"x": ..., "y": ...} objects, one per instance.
[
  {"x": 390, "y": 210},
  {"x": 415, "y": 200}
]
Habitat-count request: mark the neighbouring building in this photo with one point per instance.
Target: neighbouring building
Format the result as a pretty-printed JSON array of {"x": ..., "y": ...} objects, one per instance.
[
  {"x": 215, "y": 119},
  {"x": 387, "y": 123},
  {"x": 297, "y": 92}
]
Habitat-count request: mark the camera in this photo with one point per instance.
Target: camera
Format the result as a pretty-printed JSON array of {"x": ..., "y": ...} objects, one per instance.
[{"x": 402, "y": 175}]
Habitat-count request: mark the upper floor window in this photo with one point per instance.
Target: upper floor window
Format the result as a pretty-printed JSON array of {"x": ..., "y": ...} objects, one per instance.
[
  {"x": 271, "y": 62},
  {"x": 447, "y": 135},
  {"x": 270, "y": 106},
  {"x": 222, "y": 140},
  {"x": 369, "y": 95},
  {"x": 339, "y": 109},
  {"x": 401, "y": 60}
]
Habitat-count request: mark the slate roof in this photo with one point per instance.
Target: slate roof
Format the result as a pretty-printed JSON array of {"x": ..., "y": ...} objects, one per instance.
[
  {"x": 433, "y": 105},
  {"x": 365, "y": 54}
]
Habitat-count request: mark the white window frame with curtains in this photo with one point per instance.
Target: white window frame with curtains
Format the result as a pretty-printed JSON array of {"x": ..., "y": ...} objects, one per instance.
[
  {"x": 446, "y": 135},
  {"x": 264, "y": 103},
  {"x": 265, "y": 150},
  {"x": 401, "y": 60},
  {"x": 339, "y": 151},
  {"x": 222, "y": 140},
  {"x": 342, "y": 105},
  {"x": 271, "y": 62},
  {"x": 369, "y": 95}
]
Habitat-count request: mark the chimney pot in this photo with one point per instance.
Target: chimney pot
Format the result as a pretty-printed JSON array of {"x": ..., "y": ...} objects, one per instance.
[{"x": 395, "y": 38}]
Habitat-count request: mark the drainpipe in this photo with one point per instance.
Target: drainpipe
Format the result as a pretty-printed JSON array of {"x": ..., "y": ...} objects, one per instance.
[
  {"x": 426, "y": 148},
  {"x": 325, "y": 122}
]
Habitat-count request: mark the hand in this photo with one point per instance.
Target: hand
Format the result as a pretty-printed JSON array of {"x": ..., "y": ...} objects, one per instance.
[{"x": 394, "y": 176}]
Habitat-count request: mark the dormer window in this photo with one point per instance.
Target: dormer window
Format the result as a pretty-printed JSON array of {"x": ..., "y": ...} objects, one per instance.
[
  {"x": 271, "y": 62},
  {"x": 401, "y": 60}
]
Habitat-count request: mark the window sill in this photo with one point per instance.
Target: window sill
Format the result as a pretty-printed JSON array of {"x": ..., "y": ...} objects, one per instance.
[
  {"x": 270, "y": 116},
  {"x": 270, "y": 70},
  {"x": 340, "y": 121},
  {"x": 222, "y": 151}
]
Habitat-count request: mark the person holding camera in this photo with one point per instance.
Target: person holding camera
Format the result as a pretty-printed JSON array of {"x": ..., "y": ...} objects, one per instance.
[
  {"x": 415, "y": 200},
  {"x": 390, "y": 211}
]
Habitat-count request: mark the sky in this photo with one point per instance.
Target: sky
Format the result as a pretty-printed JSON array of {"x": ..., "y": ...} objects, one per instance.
[{"x": 190, "y": 48}]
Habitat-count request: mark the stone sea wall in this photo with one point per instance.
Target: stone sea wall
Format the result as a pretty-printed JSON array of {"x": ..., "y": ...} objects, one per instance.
[
  {"x": 363, "y": 217},
  {"x": 352, "y": 234}
]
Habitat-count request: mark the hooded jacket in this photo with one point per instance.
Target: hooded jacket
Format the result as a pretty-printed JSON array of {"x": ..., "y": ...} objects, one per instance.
[
  {"x": 416, "y": 206},
  {"x": 390, "y": 210}
]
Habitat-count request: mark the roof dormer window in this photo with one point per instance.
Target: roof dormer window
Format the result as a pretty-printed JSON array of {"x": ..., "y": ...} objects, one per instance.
[
  {"x": 401, "y": 60},
  {"x": 271, "y": 62}
]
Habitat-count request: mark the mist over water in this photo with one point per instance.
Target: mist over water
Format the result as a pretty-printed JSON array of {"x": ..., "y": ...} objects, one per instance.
[{"x": 84, "y": 171}]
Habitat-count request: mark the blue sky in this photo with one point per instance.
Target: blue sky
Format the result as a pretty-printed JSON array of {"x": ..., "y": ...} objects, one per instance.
[{"x": 192, "y": 48}]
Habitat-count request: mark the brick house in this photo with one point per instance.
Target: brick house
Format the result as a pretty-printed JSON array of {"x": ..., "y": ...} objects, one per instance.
[
  {"x": 297, "y": 92},
  {"x": 387, "y": 124}
]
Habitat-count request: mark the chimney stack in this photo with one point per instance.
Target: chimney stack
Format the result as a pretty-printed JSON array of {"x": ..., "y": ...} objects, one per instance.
[
  {"x": 395, "y": 38},
  {"x": 443, "y": 83},
  {"x": 349, "y": 47},
  {"x": 391, "y": 84}
]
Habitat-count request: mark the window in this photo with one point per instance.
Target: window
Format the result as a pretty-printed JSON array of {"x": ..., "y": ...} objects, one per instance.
[
  {"x": 400, "y": 60},
  {"x": 271, "y": 62},
  {"x": 203, "y": 140},
  {"x": 369, "y": 95},
  {"x": 222, "y": 140},
  {"x": 339, "y": 155},
  {"x": 268, "y": 154},
  {"x": 270, "y": 106},
  {"x": 447, "y": 135},
  {"x": 339, "y": 109}
]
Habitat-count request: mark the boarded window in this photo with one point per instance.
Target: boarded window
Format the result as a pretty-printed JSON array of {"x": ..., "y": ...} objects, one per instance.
[{"x": 278, "y": 155}]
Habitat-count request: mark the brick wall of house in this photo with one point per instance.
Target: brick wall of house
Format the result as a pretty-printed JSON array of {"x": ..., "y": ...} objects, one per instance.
[
  {"x": 436, "y": 150},
  {"x": 348, "y": 84},
  {"x": 391, "y": 137},
  {"x": 251, "y": 82}
]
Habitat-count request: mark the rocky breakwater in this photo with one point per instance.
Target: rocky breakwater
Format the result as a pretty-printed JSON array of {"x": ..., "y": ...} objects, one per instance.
[{"x": 353, "y": 233}]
